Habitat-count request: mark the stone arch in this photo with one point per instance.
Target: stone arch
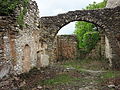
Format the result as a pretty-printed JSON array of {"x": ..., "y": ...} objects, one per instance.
[
  {"x": 26, "y": 60},
  {"x": 97, "y": 25},
  {"x": 51, "y": 25},
  {"x": 107, "y": 18}
]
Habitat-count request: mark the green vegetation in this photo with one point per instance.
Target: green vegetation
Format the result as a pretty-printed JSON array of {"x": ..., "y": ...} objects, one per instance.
[
  {"x": 59, "y": 79},
  {"x": 107, "y": 75},
  {"x": 7, "y": 8},
  {"x": 96, "y": 5},
  {"x": 75, "y": 73},
  {"x": 110, "y": 74},
  {"x": 87, "y": 33},
  {"x": 63, "y": 79},
  {"x": 20, "y": 18},
  {"x": 86, "y": 64},
  {"x": 90, "y": 39}
]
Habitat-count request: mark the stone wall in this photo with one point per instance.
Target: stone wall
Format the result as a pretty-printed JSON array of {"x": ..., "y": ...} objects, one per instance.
[
  {"x": 107, "y": 18},
  {"x": 113, "y": 3},
  {"x": 29, "y": 36},
  {"x": 21, "y": 48},
  {"x": 108, "y": 49},
  {"x": 7, "y": 24},
  {"x": 66, "y": 47},
  {"x": 30, "y": 49}
]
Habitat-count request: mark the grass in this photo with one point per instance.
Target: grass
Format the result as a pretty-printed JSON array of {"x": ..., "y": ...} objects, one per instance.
[
  {"x": 110, "y": 74},
  {"x": 60, "y": 79},
  {"x": 64, "y": 79},
  {"x": 107, "y": 75},
  {"x": 86, "y": 64},
  {"x": 74, "y": 77},
  {"x": 93, "y": 65},
  {"x": 90, "y": 65}
]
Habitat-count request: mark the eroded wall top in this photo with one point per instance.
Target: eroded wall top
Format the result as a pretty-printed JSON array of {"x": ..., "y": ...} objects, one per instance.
[{"x": 113, "y": 3}]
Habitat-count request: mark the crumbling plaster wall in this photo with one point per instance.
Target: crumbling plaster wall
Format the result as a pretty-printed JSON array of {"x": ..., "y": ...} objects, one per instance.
[
  {"x": 14, "y": 41},
  {"x": 30, "y": 35}
]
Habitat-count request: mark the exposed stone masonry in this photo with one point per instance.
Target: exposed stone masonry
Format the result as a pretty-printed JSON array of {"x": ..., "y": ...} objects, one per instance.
[
  {"x": 113, "y": 3},
  {"x": 101, "y": 17},
  {"x": 1, "y": 48},
  {"x": 66, "y": 47},
  {"x": 7, "y": 23},
  {"x": 19, "y": 47}
]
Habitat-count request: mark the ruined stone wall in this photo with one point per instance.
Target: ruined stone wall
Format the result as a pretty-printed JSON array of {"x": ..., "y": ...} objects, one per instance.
[
  {"x": 7, "y": 27},
  {"x": 29, "y": 36},
  {"x": 108, "y": 50},
  {"x": 30, "y": 49},
  {"x": 66, "y": 47},
  {"x": 21, "y": 48},
  {"x": 113, "y": 3}
]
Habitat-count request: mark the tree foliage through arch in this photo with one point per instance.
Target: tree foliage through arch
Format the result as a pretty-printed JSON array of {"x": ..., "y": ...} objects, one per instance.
[{"x": 87, "y": 33}]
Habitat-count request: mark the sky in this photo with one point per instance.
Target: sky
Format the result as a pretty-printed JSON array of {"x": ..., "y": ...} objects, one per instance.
[{"x": 54, "y": 7}]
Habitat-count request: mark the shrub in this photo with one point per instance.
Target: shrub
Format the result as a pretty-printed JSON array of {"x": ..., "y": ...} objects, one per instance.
[
  {"x": 90, "y": 39},
  {"x": 86, "y": 33},
  {"x": 7, "y": 8}
]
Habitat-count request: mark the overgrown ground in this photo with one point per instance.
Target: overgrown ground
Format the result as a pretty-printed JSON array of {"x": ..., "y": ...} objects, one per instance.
[
  {"x": 73, "y": 75},
  {"x": 70, "y": 75}
]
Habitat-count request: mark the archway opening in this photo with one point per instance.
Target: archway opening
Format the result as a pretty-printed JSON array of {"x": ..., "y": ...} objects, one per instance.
[
  {"x": 26, "y": 61},
  {"x": 87, "y": 41}
]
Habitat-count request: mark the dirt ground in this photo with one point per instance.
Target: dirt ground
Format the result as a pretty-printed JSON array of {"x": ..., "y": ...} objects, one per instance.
[{"x": 70, "y": 75}]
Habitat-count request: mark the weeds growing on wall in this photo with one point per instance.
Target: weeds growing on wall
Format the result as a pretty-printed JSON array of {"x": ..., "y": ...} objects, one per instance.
[{"x": 20, "y": 18}]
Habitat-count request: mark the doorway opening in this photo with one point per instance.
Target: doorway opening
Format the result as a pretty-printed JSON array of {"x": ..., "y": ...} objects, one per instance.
[{"x": 26, "y": 61}]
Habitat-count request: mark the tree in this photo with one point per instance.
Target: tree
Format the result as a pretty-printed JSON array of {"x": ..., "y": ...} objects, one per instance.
[
  {"x": 87, "y": 33},
  {"x": 7, "y": 7}
]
